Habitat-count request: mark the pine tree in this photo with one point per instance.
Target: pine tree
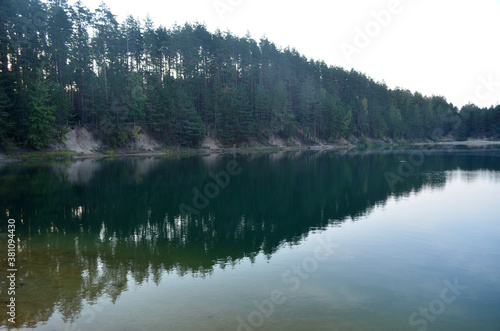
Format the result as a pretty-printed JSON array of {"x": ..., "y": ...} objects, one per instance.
[
  {"x": 189, "y": 128},
  {"x": 59, "y": 31},
  {"x": 5, "y": 108},
  {"x": 41, "y": 118},
  {"x": 80, "y": 65}
]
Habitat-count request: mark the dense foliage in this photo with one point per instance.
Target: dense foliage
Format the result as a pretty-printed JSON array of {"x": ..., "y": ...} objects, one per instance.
[{"x": 65, "y": 65}]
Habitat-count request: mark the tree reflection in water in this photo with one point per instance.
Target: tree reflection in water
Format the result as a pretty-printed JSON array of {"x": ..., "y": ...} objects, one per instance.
[{"x": 85, "y": 228}]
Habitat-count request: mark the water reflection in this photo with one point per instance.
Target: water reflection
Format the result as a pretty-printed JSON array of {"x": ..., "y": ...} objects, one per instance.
[{"x": 85, "y": 228}]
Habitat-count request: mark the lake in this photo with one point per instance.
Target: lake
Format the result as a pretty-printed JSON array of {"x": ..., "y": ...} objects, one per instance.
[{"x": 386, "y": 240}]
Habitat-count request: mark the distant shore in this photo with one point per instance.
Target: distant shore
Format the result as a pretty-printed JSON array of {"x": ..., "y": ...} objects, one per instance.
[{"x": 470, "y": 143}]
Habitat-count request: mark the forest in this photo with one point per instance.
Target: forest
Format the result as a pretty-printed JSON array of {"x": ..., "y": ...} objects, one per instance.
[{"x": 64, "y": 65}]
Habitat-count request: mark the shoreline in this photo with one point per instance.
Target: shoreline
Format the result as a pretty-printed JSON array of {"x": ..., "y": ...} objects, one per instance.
[
  {"x": 469, "y": 143},
  {"x": 47, "y": 155},
  {"x": 37, "y": 156}
]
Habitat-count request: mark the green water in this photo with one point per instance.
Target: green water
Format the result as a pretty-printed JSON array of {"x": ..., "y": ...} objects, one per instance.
[{"x": 286, "y": 241}]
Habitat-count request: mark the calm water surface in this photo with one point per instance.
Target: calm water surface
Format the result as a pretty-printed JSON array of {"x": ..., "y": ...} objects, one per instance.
[{"x": 287, "y": 241}]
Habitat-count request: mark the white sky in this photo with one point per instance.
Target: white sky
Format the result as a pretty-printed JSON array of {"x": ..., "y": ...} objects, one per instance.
[{"x": 437, "y": 47}]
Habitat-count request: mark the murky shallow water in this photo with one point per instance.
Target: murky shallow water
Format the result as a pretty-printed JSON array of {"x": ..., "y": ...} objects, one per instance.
[{"x": 303, "y": 241}]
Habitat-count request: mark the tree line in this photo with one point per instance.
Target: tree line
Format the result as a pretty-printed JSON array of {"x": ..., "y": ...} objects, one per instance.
[{"x": 64, "y": 65}]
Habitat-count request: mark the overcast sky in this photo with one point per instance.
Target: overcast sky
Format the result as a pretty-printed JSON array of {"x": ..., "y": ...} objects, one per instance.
[{"x": 437, "y": 47}]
